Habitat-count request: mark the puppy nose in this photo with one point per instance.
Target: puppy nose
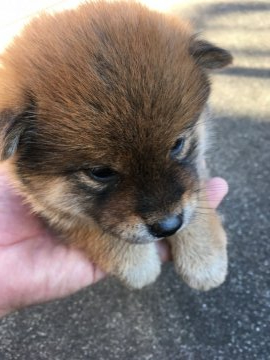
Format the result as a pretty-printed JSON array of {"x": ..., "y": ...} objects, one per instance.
[{"x": 167, "y": 226}]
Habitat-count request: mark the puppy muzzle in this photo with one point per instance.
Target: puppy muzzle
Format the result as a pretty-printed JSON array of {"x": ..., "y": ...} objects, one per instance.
[{"x": 166, "y": 226}]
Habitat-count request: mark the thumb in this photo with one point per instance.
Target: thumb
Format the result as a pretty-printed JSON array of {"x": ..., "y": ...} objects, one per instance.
[{"x": 216, "y": 189}]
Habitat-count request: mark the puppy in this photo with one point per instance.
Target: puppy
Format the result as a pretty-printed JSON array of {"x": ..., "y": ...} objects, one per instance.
[{"x": 103, "y": 119}]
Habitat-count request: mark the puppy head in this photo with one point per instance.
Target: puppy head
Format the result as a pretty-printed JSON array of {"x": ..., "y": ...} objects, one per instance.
[{"x": 101, "y": 115}]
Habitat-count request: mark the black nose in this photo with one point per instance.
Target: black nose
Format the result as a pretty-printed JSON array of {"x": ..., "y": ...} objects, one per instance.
[{"x": 167, "y": 226}]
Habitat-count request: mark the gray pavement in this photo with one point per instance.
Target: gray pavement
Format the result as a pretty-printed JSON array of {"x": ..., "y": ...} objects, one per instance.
[{"x": 168, "y": 320}]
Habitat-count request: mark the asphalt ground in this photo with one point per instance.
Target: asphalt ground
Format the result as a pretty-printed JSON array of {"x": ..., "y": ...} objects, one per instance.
[{"x": 168, "y": 320}]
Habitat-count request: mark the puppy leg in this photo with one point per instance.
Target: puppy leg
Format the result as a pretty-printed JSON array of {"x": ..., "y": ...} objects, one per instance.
[
  {"x": 136, "y": 265},
  {"x": 199, "y": 252}
]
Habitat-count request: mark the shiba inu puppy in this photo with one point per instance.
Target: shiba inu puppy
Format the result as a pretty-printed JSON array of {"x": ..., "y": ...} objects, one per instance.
[{"x": 103, "y": 120}]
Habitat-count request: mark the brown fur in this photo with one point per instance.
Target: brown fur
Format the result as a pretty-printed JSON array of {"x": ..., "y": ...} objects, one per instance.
[{"x": 113, "y": 84}]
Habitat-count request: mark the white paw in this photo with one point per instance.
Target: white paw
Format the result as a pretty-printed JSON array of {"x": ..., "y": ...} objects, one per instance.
[
  {"x": 205, "y": 275},
  {"x": 143, "y": 269}
]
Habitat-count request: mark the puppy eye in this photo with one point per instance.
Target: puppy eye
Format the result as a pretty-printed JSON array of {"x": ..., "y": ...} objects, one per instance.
[
  {"x": 178, "y": 146},
  {"x": 101, "y": 174}
]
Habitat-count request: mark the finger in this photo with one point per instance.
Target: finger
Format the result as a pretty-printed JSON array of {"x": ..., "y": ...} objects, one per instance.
[
  {"x": 164, "y": 251},
  {"x": 216, "y": 189}
]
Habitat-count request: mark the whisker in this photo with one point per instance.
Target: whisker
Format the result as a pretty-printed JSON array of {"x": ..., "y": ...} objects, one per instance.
[{"x": 203, "y": 208}]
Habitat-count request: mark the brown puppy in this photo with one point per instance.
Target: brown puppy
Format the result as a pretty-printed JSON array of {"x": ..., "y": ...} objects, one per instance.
[{"x": 102, "y": 116}]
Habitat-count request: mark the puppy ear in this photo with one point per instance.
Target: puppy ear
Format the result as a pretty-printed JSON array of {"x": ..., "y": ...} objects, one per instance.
[
  {"x": 11, "y": 129},
  {"x": 208, "y": 55},
  {"x": 14, "y": 120}
]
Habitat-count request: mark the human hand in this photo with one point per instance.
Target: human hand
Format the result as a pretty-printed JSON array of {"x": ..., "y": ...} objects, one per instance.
[{"x": 35, "y": 267}]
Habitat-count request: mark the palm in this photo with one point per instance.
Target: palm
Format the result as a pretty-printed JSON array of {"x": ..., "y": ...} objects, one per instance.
[{"x": 33, "y": 266}]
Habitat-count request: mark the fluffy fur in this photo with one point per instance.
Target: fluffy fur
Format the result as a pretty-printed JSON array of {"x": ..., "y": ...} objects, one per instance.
[{"x": 102, "y": 118}]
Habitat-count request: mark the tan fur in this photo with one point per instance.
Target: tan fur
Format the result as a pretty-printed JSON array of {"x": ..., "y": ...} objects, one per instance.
[
  {"x": 199, "y": 251},
  {"x": 114, "y": 84}
]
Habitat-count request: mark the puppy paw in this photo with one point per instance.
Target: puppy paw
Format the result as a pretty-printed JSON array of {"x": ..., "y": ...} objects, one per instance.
[
  {"x": 200, "y": 253},
  {"x": 142, "y": 268},
  {"x": 204, "y": 275}
]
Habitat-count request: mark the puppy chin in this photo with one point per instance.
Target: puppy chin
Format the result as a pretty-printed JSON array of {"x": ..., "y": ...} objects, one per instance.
[{"x": 134, "y": 234}]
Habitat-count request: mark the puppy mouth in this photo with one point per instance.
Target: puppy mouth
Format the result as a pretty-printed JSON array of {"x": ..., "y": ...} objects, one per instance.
[
  {"x": 147, "y": 238},
  {"x": 134, "y": 234},
  {"x": 141, "y": 240}
]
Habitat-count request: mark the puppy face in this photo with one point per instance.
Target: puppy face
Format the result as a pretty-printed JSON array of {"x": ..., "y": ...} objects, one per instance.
[{"x": 102, "y": 114}]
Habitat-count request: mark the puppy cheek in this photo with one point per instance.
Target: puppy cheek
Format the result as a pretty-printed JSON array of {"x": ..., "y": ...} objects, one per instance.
[
  {"x": 114, "y": 210},
  {"x": 54, "y": 196},
  {"x": 189, "y": 203}
]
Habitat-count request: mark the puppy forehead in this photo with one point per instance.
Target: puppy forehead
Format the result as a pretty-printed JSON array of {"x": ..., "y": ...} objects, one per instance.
[
  {"x": 112, "y": 85},
  {"x": 115, "y": 134},
  {"x": 136, "y": 137},
  {"x": 130, "y": 115}
]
